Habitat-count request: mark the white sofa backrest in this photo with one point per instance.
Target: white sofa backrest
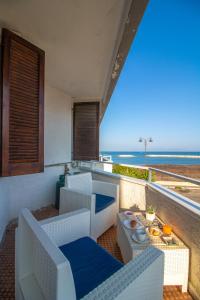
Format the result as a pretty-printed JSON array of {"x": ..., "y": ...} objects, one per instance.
[
  {"x": 40, "y": 258},
  {"x": 81, "y": 182}
]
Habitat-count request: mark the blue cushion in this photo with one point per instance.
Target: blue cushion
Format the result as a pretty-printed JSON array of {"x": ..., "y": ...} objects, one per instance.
[
  {"x": 103, "y": 201},
  {"x": 90, "y": 264}
]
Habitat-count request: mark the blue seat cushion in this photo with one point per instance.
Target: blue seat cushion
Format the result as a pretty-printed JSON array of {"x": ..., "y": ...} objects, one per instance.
[
  {"x": 103, "y": 201},
  {"x": 90, "y": 264}
]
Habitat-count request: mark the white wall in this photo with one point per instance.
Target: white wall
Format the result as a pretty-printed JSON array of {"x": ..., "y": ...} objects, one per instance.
[
  {"x": 58, "y": 112},
  {"x": 37, "y": 190},
  {"x": 4, "y": 207}
]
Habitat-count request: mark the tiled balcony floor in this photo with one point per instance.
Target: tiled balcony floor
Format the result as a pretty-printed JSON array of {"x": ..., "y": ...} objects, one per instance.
[{"x": 107, "y": 240}]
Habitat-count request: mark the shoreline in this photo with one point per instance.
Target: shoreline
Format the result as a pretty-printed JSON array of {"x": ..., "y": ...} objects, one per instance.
[{"x": 173, "y": 156}]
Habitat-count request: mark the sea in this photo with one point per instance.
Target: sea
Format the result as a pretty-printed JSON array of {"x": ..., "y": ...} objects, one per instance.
[{"x": 154, "y": 158}]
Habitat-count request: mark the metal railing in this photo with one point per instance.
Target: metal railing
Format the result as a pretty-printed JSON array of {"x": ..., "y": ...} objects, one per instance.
[
  {"x": 161, "y": 186},
  {"x": 184, "y": 178},
  {"x": 172, "y": 188},
  {"x": 93, "y": 162},
  {"x": 150, "y": 169}
]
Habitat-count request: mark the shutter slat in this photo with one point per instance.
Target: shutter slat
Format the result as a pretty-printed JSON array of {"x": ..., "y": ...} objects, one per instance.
[
  {"x": 25, "y": 77},
  {"x": 23, "y": 80},
  {"x": 24, "y": 101},
  {"x": 24, "y": 68},
  {"x": 25, "y": 113},
  {"x": 24, "y": 89},
  {"x": 86, "y": 131},
  {"x": 28, "y": 51}
]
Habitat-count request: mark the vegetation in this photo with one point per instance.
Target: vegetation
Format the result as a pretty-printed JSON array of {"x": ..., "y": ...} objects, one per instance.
[
  {"x": 132, "y": 172},
  {"x": 178, "y": 188},
  {"x": 181, "y": 189},
  {"x": 150, "y": 209}
]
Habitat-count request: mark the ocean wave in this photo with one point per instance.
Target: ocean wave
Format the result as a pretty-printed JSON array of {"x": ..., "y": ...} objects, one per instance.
[
  {"x": 173, "y": 156},
  {"x": 126, "y": 155}
]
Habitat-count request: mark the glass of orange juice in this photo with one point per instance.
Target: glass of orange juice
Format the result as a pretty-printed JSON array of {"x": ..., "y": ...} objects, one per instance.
[{"x": 167, "y": 229}]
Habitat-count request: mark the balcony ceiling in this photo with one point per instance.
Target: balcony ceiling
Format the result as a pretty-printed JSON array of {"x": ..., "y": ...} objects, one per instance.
[{"x": 78, "y": 36}]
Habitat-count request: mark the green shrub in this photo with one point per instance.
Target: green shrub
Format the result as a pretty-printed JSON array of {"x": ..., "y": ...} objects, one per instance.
[{"x": 132, "y": 172}]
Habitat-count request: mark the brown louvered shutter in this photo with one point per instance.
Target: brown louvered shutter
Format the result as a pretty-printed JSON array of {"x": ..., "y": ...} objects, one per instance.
[
  {"x": 22, "y": 106},
  {"x": 86, "y": 131}
]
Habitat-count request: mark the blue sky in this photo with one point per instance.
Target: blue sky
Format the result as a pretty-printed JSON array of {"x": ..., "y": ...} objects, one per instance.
[{"x": 158, "y": 92}]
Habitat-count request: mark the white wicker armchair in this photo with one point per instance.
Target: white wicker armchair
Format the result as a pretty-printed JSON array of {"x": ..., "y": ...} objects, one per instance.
[
  {"x": 81, "y": 191},
  {"x": 44, "y": 273}
]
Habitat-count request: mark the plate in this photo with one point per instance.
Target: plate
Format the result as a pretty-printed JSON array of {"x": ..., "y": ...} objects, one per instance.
[
  {"x": 128, "y": 213},
  {"x": 134, "y": 238},
  {"x": 128, "y": 225}
]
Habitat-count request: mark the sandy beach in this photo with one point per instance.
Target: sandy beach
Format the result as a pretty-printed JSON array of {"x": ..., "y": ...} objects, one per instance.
[
  {"x": 184, "y": 188},
  {"x": 192, "y": 171}
]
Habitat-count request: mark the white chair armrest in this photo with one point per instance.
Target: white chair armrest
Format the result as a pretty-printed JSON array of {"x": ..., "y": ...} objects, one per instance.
[
  {"x": 68, "y": 227},
  {"x": 41, "y": 268},
  {"x": 140, "y": 279},
  {"x": 105, "y": 188},
  {"x": 71, "y": 200}
]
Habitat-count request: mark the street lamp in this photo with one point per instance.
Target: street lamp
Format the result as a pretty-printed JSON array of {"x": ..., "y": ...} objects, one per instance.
[{"x": 145, "y": 141}]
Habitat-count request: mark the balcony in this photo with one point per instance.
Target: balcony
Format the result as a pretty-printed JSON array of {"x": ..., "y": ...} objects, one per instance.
[
  {"x": 135, "y": 194},
  {"x": 48, "y": 121}
]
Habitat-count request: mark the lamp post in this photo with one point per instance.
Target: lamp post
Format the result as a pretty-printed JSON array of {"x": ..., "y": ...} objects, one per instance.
[{"x": 145, "y": 141}]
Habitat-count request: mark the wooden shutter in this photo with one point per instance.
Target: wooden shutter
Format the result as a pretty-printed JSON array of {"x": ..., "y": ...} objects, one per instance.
[
  {"x": 86, "y": 131},
  {"x": 22, "y": 106}
]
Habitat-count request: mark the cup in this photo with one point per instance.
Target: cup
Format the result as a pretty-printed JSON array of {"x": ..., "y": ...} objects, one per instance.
[
  {"x": 141, "y": 235},
  {"x": 129, "y": 215}
]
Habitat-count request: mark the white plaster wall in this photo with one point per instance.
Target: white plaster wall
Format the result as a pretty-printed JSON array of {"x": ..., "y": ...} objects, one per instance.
[
  {"x": 4, "y": 209},
  {"x": 32, "y": 191},
  {"x": 37, "y": 190},
  {"x": 58, "y": 112}
]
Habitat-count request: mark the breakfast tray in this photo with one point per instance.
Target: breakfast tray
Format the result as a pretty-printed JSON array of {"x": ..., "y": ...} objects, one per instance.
[{"x": 158, "y": 240}]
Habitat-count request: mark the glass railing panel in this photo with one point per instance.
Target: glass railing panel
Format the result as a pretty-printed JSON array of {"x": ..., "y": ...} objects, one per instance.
[{"x": 187, "y": 188}]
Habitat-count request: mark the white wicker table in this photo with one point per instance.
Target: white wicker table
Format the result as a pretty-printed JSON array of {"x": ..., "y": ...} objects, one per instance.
[{"x": 176, "y": 256}]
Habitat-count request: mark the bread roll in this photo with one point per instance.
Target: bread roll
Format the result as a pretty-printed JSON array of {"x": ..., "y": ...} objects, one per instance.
[{"x": 133, "y": 223}]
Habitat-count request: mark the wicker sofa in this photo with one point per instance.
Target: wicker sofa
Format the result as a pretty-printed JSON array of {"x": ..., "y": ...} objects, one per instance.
[
  {"x": 101, "y": 198},
  {"x": 53, "y": 262}
]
